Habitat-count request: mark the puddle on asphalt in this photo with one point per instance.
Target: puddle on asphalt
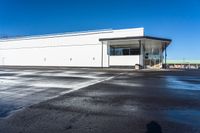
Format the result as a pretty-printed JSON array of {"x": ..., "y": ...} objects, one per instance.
[
  {"x": 184, "y": 116},
  {"x": 185, "y": 83}
]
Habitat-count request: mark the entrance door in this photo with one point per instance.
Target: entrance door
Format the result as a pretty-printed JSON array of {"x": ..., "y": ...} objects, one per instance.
[
  {"x": 153, "y": 55},
  {"x": 152, "y": 63}
]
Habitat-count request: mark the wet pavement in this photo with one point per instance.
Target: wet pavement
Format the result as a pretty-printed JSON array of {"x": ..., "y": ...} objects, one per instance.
[
  {"x": 105, "y": 101},
  {"x": 20, "y": 88}
]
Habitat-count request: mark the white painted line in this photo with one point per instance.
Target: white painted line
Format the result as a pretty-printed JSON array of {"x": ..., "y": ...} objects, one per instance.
[{"x": 89, "y": 83}]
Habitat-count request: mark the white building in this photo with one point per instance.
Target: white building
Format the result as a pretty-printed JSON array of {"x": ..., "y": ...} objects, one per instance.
[{"x": 104, "y": 48}]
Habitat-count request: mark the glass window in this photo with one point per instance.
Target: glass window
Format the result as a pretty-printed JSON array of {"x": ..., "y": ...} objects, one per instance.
[
  {"x": 134, "y": 51},
  {"x": 124, "y": 51}
]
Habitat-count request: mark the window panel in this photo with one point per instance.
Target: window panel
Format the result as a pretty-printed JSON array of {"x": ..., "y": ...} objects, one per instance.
[{"x": 124, "y": 51}]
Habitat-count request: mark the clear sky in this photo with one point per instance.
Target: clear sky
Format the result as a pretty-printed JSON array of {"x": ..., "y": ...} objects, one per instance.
[{"x": 178, "y": 20}]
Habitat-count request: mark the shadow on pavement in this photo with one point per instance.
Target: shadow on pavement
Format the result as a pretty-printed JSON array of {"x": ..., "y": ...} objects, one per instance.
[{"x": 153, "y": 127}]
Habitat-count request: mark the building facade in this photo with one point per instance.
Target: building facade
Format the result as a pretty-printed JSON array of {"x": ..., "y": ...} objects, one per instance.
[{"x": 104, "y": 48}]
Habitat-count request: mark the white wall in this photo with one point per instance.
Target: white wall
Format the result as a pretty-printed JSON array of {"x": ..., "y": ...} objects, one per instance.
[
  {"x": 85, "y": 55},
  {"x": 128, "y": 60},
  {"x": 77, "y": 49}
]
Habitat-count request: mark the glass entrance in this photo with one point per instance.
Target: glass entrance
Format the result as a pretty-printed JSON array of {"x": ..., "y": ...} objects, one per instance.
[{"x": 153, "y": 55}]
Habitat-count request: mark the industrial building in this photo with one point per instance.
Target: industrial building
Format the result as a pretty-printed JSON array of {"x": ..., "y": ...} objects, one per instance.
[{"x": 103, "y": 48}]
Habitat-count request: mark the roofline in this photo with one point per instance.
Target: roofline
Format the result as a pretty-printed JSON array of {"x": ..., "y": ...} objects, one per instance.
[
  {"x": 136, "y": 37},
  {"x": 57, "y": 35},
  {"x": 64, "y": 34}
]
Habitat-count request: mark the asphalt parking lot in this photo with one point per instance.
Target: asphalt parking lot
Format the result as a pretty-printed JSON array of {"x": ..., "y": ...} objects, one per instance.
[
  {"x": 23, "y": 87},
  {"x": 96, "y": 100}
]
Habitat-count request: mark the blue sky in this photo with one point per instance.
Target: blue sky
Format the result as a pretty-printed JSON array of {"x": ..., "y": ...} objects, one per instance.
[{"x": 178, "y": 20}]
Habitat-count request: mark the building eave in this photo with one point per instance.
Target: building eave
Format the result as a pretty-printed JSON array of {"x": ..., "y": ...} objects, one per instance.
[{"x": 137, "y": 38}]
